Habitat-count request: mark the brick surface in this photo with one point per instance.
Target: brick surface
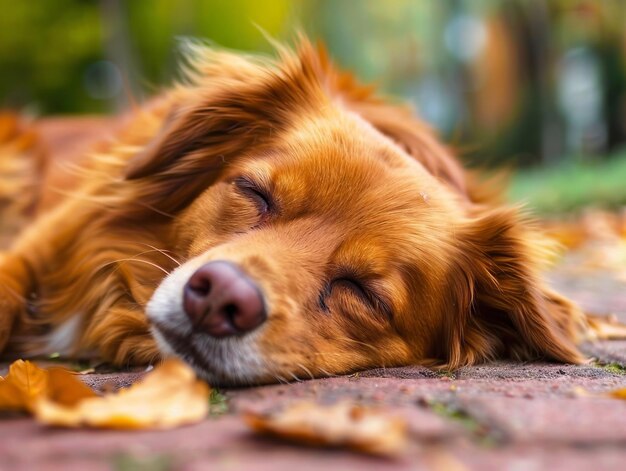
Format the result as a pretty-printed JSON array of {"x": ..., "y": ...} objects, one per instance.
[
  {"x": 110, "y": 382},
  {"x": 397, "y": 397},
  {"x": 223, "y": 443},
  {"x": 532, "y": 371},
  {"x": 505, "y": 415},
  {"x": 550, "y": 457},
  {"x": 403, "y": 385},
  {"x": 575, "y": 421}
]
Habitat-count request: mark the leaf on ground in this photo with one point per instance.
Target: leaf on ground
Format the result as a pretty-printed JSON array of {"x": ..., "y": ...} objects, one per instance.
[
  {"x": 10, "y": 396},
  {"x": 168, "y": 396},
  {"x": 618, "y": 393},
  {"x": 22, "y": 386},
  {"x": 65, "y": 388},
  {"x": 340, "y": 425}
]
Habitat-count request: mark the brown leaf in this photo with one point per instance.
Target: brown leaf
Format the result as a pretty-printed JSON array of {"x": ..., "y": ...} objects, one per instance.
[
  {"x": 65, "y": 388},
  {"x": 10, "y": 396},
  {"x": 168, "y": 396},
  {"x": 340, "y": 425},
  {"x": 22, "y": 386}
]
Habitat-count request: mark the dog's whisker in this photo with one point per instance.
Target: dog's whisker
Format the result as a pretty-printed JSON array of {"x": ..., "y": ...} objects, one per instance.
[
  {"x": 271, "y": 369},
  {"x": 154, "y": 249},
  {"x": 134, "y": 260},
  {"x": 163, "y": 251},
  {"x": 280, "y": 378},
  {"x": 295, "y": 377},
  {"x": 300, "y": 365}
]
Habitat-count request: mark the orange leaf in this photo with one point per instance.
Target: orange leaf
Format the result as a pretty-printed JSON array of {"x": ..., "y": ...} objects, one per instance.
[
  {"x": 10, "y": 396},
  {"x": 22, "y": 386},
  {"x": 65, "y": 388},
  {"x": 167, "y": 397},
  {"x": 618, "y": 393},
  {"x": 342, "y": 424}
]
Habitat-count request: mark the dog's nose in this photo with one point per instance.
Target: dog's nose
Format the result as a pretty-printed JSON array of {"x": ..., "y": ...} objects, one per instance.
[{"x": 222, "y": 301}]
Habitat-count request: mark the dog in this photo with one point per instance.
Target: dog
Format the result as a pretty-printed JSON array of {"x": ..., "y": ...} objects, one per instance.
[{"x": 272, "y": 219}]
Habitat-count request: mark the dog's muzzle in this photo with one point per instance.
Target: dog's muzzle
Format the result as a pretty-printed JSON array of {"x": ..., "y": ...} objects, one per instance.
[{"x": 221, "y": 301}]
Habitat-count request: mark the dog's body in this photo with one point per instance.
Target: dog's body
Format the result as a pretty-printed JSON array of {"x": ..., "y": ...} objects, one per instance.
[{"x": 274, "y": 221}]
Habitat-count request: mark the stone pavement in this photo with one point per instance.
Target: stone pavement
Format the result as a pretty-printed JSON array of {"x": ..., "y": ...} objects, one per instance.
[{"x": 503, "y": 416}]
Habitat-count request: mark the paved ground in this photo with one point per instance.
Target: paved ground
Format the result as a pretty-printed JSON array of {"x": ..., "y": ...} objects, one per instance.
[{"x": 505, "y": 416}]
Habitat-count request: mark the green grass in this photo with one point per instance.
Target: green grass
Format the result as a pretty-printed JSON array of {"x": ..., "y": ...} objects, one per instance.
[
  {"x": 612, "y": 367},
  {"x": 481, "y": 434},
  {"x": 453, "y": 413},
  {"x": 570, "y": 187},
  {"x": 218, "y": 404},
  {"x": 446, "y": 374}
]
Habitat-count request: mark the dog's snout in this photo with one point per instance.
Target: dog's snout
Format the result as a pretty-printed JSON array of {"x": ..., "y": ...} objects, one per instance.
[{"x": 222, "y": 301}]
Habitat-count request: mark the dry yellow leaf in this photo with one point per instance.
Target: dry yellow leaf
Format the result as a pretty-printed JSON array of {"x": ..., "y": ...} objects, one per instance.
[
  {"x": 22, "y": 386},
  {"x": 167, "y": 397},
  {"x": 343, "y": 424}
]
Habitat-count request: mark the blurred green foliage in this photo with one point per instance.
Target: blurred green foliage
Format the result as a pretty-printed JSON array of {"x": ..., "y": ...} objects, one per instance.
[
  {"x": 46, "y": 46},
  {"x": 504, "y": 80},
  {"x": 234, "y": 23},
  {"x": 573, "y": 185}
]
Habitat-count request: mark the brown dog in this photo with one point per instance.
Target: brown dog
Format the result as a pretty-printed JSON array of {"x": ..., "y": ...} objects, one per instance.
[{"x": 274, "y": 220}]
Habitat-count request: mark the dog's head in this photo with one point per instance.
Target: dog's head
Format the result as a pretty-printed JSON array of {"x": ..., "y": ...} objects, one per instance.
[{"x": 324, "y": 230}]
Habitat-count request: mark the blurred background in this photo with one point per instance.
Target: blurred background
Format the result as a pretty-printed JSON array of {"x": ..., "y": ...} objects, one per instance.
[{"x": 529, "y": 84}]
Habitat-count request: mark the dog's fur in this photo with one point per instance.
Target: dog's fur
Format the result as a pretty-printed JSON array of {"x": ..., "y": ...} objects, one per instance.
[{"x": 374, "y": 248}]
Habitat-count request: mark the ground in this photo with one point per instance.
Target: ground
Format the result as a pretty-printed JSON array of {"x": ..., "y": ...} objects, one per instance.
[{"x": 512, "y": 416}]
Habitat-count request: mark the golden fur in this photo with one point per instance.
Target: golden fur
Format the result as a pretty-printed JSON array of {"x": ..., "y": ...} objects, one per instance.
[{"x": 378, "y": 252}]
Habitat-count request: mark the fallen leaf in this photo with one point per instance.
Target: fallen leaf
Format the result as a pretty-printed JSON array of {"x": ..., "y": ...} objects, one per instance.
[
  {"x": 618, "y": 393},
  {"x": 22, "y": 386},
  {"x": 340, "y": 425},
  {"x": 168, "y": 396},
  {"x": 65, "y": 388},
  {"x": 10, "y": 397}
]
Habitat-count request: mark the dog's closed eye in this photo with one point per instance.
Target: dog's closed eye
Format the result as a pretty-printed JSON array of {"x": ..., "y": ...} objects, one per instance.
[
  {"x": 363, "y": 293},
  {"x": 257, "y": 194}
]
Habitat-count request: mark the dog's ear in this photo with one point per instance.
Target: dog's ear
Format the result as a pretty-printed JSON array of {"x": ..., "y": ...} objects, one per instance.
[
  {"x": 224, "y": 105},
  {"x": 197, "y": 138},
  {"x": 232, "y": 106},
  {"x": 498, "y": 305},
  {"x": 195, "y": 143}
]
